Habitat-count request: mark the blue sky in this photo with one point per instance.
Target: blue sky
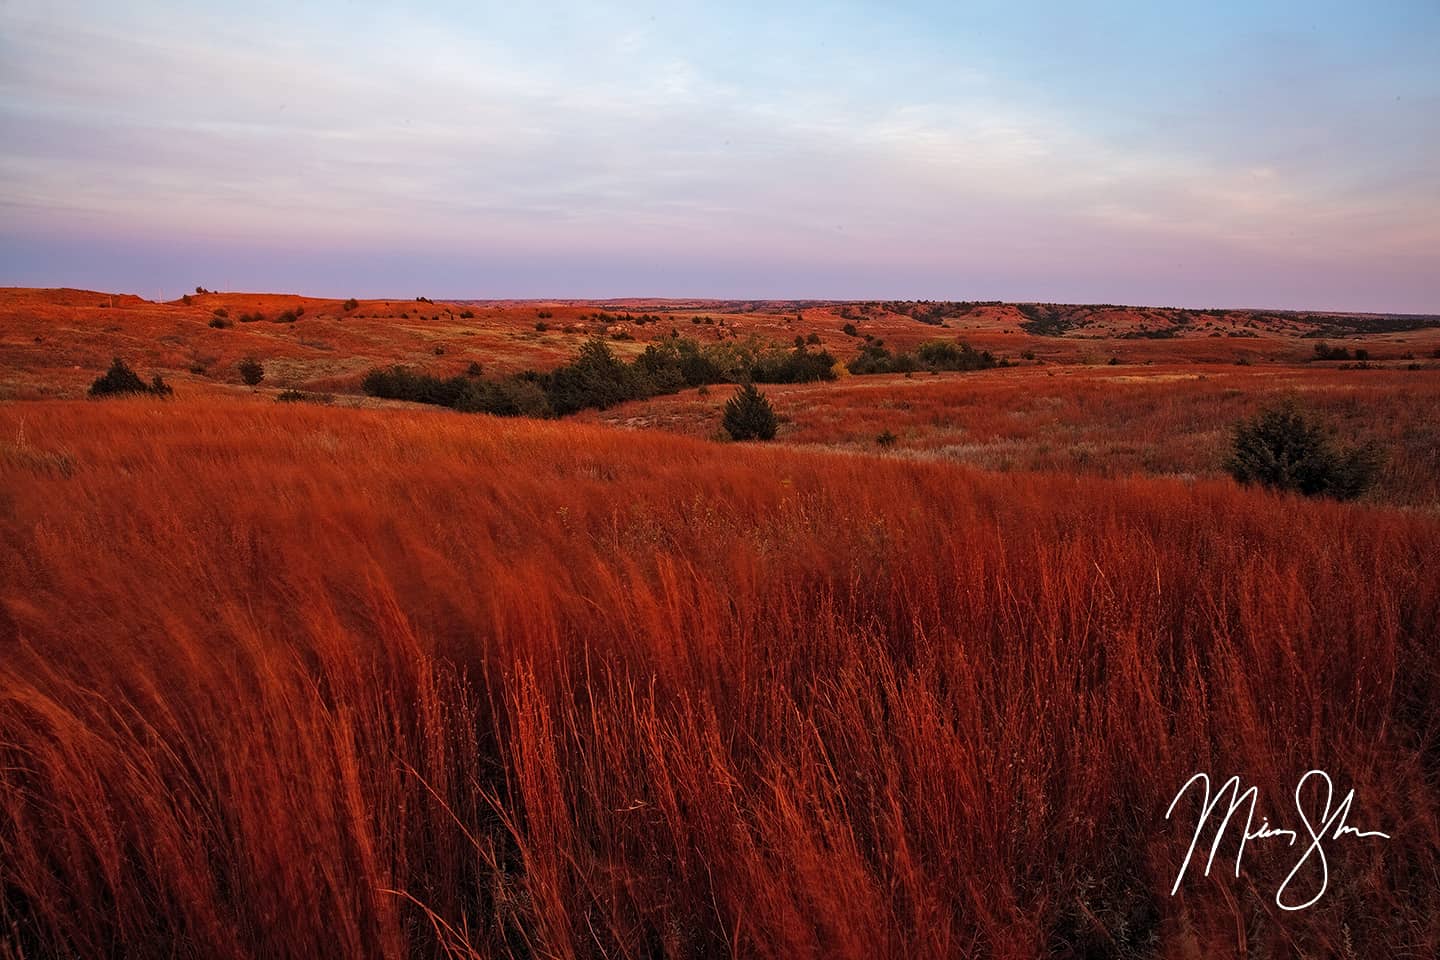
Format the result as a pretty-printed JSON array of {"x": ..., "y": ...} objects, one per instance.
[{"x": 1218, "y": 154}]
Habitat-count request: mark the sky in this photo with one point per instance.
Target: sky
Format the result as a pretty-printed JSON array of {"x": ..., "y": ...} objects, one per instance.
[{"x": 1236, "y": 154}]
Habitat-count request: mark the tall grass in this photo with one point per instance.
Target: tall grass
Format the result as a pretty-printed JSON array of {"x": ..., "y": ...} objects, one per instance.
[
  {"x": 1100, "y": 421},
  {"x": 300, "y": 682}
]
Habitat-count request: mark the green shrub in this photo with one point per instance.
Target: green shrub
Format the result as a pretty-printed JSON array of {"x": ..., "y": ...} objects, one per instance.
[
  {"x": 749, "y": 416},
  {"x": 792, "y": 366},
  {"x": 402, "y": 383},
  {"x": 120, "y": 379},
  {"x": 511, "y": 397},
  {"x": 595, "y": 378},
  {"x": 954, "y": 355},
  {"x": 251, "y": 371},
  {"x": 1285, "y": 449}
]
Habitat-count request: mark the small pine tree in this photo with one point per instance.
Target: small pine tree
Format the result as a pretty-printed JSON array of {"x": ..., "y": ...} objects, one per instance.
[
  {"x": 749, "y": 416},
  {"x": 1284, "y": 449},
  {"x": 251, "y": 371}
]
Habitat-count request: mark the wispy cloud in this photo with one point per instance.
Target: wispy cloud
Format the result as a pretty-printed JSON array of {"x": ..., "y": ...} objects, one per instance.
[{"x": 485, "y": 131}]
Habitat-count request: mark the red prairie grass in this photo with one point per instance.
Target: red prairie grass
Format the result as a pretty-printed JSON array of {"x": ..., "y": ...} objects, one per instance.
[
  {"x": 1172, "y": 418},
  {"x": 302, "y": 682}
]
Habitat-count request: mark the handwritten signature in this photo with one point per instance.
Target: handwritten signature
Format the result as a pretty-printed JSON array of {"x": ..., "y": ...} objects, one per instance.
[{"x": 1330, "y": 825}]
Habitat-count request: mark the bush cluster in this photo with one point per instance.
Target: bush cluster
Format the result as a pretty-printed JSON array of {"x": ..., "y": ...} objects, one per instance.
[
  {"x": 120, "y": 379},
  {"x": 1285, "y": 449},
  {"x": 598, "y": 379},
  {"x": 931, "y": 355},
  {"x": 1323, "y": 351}
]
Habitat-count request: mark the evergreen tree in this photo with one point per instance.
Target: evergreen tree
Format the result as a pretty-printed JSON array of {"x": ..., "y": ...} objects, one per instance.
[
  {"x": 1284, "y": 449},
  {"x": 749, "y": 416}
]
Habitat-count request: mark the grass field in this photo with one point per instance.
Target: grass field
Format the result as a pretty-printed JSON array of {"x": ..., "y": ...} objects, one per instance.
[
  {"x": 1166, "y": 419},
  {"x": 293, "y": 680}
]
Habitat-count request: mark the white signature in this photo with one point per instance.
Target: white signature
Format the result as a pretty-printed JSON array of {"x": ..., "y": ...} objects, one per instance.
[{"x": 1330, "y": 825}]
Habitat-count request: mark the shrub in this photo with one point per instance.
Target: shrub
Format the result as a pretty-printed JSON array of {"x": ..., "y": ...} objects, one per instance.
[
  {"x": 511, "y": 397},
  {"x": 467, "y": 314},
  {"x": 1044, "y": 320},
  {"x": 813, "y": 339},
  {"x": 221, "y": 312},
  {"x": 475, "y": 369},
  {"x": 1323, "y": 351},
  {"x": 947, "y": 355},
  {"x": 401, "y": 383},
  {"x": 351, "y": 304},
  {"x": 886, "y": 439},
  {"x": 793, "y": 366},
  {"x": 542, "y": 326},
  {"x": 219, "y": 323},
  {"x": 289, "y": 316},
  {"x": 849, "y": 330},
  {"x": 297, "y": 396},
  {"x": 120, "y": 379},
  {"x": 1285, "y": 449},
  {"x": 595, "y": 378},
  {"x": 749, "y": 416},
  {"x": 251, "y": 371},
  {"x": 255, "y": 317}
]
